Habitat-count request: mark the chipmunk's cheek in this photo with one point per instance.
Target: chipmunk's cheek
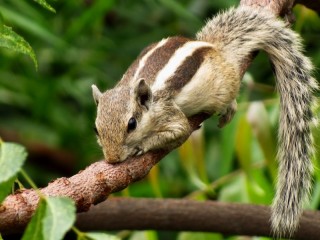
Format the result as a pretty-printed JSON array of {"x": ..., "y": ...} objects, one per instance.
[{"x": 125, "y": 153}]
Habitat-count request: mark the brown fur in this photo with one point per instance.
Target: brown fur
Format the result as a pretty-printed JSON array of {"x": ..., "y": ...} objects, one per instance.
[{"x": 184, "y": 77}]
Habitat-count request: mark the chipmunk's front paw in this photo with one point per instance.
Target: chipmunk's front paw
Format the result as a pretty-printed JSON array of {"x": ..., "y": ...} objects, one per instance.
[{"x": 227, "y": 115}]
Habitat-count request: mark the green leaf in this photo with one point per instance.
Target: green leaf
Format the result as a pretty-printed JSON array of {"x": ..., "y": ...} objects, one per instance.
[
  {"x": 187, "y": 157},
  {"x": 244, "y": 144},
  {"x": 44, "y": 4},
  {"x": 228, "y": 136},
  {"x": 12, "y": 157},
  {"x": 257, "y": 117},
  {"x": 199, "y": 236},
  {"x": 180, "y": 10},
  {"x": 11, "y": 40},
  {"x": 6, "y": 188},
  {"x": 53, "y": 218},
  {"x": 258, "y": 188},
  {"x": 153, "y": 177},
  {"x": 315, "y": 199},
  {"x": 151, "y": 235},
  {"x": 1, "y": 22},
  {"x": 97, "y": 11},
  {"x": 34, "y": 228},
  {"x": 101, "y": 236},
  {"x": 235, "y": 190},
  {"x": 31, "y": 25}
]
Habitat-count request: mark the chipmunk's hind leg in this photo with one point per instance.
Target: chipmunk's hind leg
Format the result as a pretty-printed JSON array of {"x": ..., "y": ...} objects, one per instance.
[{"x": 227, "y": 115}]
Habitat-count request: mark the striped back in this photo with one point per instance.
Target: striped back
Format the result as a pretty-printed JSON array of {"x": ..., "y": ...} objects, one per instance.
[{"x": 168, "y": 65}]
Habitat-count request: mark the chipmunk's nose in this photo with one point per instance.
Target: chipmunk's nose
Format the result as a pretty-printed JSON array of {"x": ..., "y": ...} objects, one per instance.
[{"x": 111, "y": 158}]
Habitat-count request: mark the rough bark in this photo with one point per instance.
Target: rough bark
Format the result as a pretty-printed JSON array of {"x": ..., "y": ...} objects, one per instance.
[
  {"x": 96, "y": 182},
  {"x": 281, "y": 7},
  {"x": 89, "y": 187}
]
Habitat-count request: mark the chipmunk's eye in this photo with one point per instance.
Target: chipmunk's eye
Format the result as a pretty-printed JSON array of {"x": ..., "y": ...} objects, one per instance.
[
  {"x": 132, "y": 124},
  {"x": 96, "y": 131}
]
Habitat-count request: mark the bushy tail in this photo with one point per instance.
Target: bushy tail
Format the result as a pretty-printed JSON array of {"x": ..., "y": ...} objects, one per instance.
[{"x": 239, "y": 32}]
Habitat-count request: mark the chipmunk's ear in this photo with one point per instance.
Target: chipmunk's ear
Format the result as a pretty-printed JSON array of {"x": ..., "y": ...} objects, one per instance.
[
  {"x": 143, "y": 93},
  {"x": 96, "y": 94}
]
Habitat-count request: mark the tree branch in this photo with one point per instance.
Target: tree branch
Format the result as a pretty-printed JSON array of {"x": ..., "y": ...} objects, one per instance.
[
  {"x": 96, "y": 182},
  {"x": 179, "y": 215},
  {"x": 89, "y": 187},
  {"x": 281, "y": 7}
]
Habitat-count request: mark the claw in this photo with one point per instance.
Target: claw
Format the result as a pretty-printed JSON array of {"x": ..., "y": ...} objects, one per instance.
[{"x": 227, "y": 115}]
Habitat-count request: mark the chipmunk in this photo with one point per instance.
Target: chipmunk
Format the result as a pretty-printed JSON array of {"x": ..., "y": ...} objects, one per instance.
[{"x": 177, "y": 78}]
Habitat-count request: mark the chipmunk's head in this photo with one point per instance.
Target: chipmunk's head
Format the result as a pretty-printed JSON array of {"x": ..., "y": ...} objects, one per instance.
[{"x": 122, "y": 112}]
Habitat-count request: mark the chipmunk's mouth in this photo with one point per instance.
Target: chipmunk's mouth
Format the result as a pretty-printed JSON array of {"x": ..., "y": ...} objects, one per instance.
[
  {"x": 137, "y": 151},
  {"x": 127, "y": 153}
]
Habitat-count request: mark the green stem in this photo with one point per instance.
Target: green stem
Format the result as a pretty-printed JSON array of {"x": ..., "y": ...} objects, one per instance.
[
  {"x": 222, "y": 180},
  {"x": 78, "y": 232},
  {"x": 19, "y": 184},
  {"x": 28, "y": 179},
  {"x": 32, "y": 184}
]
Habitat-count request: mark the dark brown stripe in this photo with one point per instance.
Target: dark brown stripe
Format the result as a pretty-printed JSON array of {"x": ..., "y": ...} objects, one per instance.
[
  {"x": 187, "y": 70},
  {"x": 160, "y": 57},
  {"x": 133, "y": 67}
]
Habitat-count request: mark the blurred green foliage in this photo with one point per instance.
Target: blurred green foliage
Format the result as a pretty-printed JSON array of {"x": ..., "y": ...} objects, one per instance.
[
  {"x": 12, "y": 157},
  {"x": 86, "y": 42}
]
